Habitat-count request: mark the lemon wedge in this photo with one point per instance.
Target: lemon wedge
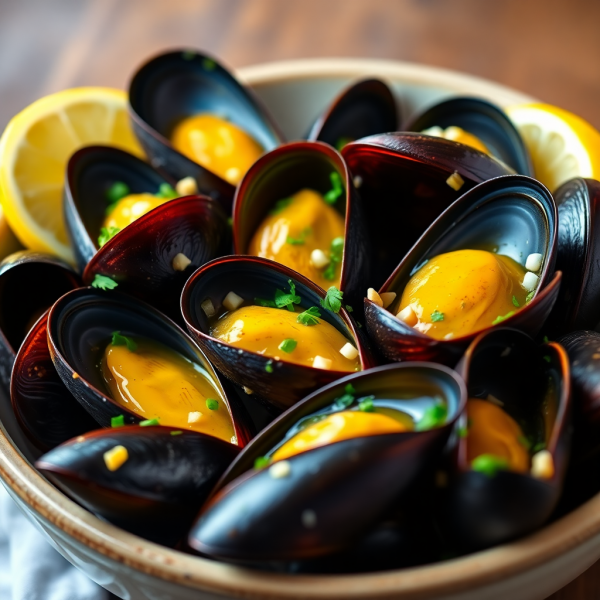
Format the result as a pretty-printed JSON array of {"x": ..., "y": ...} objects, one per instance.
[
  {"x": 35, "y": 148},
  {"x": 561, "y": 144}
]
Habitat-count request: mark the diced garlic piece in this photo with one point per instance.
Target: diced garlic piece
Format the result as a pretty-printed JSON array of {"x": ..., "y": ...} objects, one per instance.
[
  {"x": 349, "y": 351},
  {"x": 455, "y": 181},
  {"x": 542, "y": 465},
  {"x": 530, "y": 281},
  {"x": 322, "y": 363},
  {"x": 186, "y": 186},
  {"x": 373, "y": 296},
  {"x": 181, "y": 262},
  {"x": 534, "y": 262},
  {"x": 453, "y": 133},
  {"x": 232, "y": 301},
  {"x": 387, "y": 298},
  {"x": 194, "y": 416},
  {"x": 357, "y": 181},
  {"x": 408, "y": 315},
  {"x": 115, "y": 457},
  {"x": 435, "y": 130},
  {"x": 248, "y": 391},
  {"x": 280, "y": 469},
  {"x": 319, "y": 259},
  {"x": 208, "y": 308}
]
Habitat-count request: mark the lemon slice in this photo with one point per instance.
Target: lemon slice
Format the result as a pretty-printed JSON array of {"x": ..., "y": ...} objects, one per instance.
[
  {"x": 35, "y": 149},
  {"x": 562, "y": 145}
]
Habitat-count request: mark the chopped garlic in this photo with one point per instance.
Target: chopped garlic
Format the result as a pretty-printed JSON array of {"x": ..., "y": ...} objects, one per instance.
[
  {"x": 194, "y": 416},
  {"x": 533, "y": 262},
  {"x": 349, "y": 351},
  {"x": 357, "y": 181},
  {"x": 319, "y": 259},
  {"x": 208, "y": 308},
  {"x": 530, "y": 281},
  {"x": 387, "y": 298},
  {"x": 373, "y": 296},
  {"x": 436, "y": 131},
  {"x": 542, "y": 465},
  {"x": 322, "y": 363},
  {"x": 181, "y": 262},
  {"x": 248, "y": 391},
  {"x": 280, "y": 469},
  {"x": 455, "y": 181},
  {"x": 408, "y": 316},
  {"x": 186, "y": 186},
  {"x": 115, "y": 457},
  {"x": 232, "y": 301}
]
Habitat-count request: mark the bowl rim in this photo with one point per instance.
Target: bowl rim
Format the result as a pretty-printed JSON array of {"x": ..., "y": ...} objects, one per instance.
[{"x": 445, "y": 578}]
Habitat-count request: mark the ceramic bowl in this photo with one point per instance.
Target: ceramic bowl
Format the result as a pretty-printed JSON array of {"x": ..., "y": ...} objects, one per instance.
[{"x": 132, "y": 568}]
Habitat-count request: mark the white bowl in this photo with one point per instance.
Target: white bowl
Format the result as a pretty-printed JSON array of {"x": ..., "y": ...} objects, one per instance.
[{"x": 132, "y": 568}]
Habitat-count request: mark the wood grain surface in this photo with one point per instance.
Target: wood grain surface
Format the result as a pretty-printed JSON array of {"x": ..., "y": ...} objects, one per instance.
[{"x": 547, "y": 48}]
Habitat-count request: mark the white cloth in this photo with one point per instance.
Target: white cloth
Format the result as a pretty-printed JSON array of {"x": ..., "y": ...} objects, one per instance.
[{"x": 30, "y": 569}]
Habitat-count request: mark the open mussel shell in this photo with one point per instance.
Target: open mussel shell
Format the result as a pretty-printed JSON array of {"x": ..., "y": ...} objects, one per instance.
[
  {"x": 279, "y": 382},
  {"x": 91, "y": 171},
  {"x": 482, "y": 119},
  {"x": 80, "y": 325},
  {"x": 327, "y": 497},
  {"x": 156, "y": 492},
  {"x": 30, "y": 282},
  {"x": 182, "y": 83},
  {"x": 515, "y": 215},
  {"x": 287, "y": 170},
  {"x": 364, "y": 108},
  {"x": 578, "y": 256},
  {"x": 533, "y": 384},
  {"x": 44, "y": 408},
  {"x": 403, "y": 179}
]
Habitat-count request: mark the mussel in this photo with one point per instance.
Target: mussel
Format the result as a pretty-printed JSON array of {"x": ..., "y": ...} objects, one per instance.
[
  {"x": 479, "y": 118},
  {"x": 514, "y": 439},
  {"x": 174, "y": 86},
  {"x": 407, "y": 180},
  {"x": 124, "y": 360},
  {"x": 364, "y": 108},
  {"x": 148, "y": 480},
  {"x": 511, "y": 219},
  {"x": 326, "y": 470},
  {"x": 279, "y": 377},
  {"x": 297, "y": 202}
]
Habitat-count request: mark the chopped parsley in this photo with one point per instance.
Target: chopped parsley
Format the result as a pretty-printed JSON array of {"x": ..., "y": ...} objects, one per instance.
[
  {"x": 309, "y": 317},
  {"x": 102, "y": 282},
  {"x": 525, "y": 442},
  {"x": 106, "y": 233},
  {"x": 209, "y": 64},
  {"x": 117, "y": 421},
  {"x": 366, "y": 404},
  {"x": 122, "y": 340},
  {"x": 263, "y": 302},
  {"x": 333, "y": 300},
  {"x": 212, "y": 404},
  {"x": 489, "y": 465},
  {"x": 349, "y": 308},
  {"x": 336, "y": 188},
  {"x": 341, "y": 142},
  {"x": 288, "y": 345},
  {"x": 349, "y": 389},
  {"x": 299, "y": 241},
  {"x": 283, "y": 300},
  {"x": 515, "y": 301},
  {"x": 269, "y": 367},
  {"x": 149, "y": 422},
  {"x": 501, "y": 318},
  {"x": 547, "y": 358},
  {"x": 530, "y": 296},
  {"x": 436, "y": 316},
  {"x": 336, "y": 252},
  {"x": 281, "y": 205},
  {"x": 117, "y": 191},
  {"x": 178, "y": 432},
  {"x": 539, "y": 447},
  {"x": 166, "y": 192},
  {"x": 434, "y": 416},
  {"x": 546, "y": 340},
  {"x": 261, "y": 462}
]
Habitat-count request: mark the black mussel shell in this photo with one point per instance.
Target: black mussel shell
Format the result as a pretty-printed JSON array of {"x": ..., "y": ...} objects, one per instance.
[
  {"x": 485, "y": 121},
  {"x": 182, "y": 83},
  {"x": 80, "y": 325},
  {"x": 514, "y": 214},
  {"x": 330, "y": 495},
  {"x": 285, "y": 171},
  {"x": 402, "y": 179},
  {"x": 364, "y": 108},
  {"x": 578, "y": 256},
  {"x": 279, "y": 382},
  {"x": 156, "y": 492},
  {"x": 91, "y": 172},
  {"x": 30, "y": 282},
  {"x": 533, "y": 383},
  {"x": 44, "y": 408},
  {"x": 140, "y": 258}
]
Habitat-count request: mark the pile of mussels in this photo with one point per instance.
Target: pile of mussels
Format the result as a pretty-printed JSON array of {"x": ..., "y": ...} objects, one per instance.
[{"x": 326, "y": 355}]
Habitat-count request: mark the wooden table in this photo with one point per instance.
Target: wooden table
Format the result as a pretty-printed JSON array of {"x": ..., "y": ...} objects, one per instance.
[{"x": 547, "y": 48}]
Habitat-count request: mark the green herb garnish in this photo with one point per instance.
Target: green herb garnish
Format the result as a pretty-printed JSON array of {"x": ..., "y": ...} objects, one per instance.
[
  {"x": 336, "y": 252},
  {"x": 515, "y": 301},
  {"x": 212, "y": 404},
  {"x": 333, "y": 300},
  {"x": 489, "y": 465},
  {"x": 102, "y": 282},
  {"x": 269, "y": 367},
  {"x": 349, "y": 308},
  {"x": 261, "y": 462},
  {"x": 149, "y": 422},
  {"x": 525, "y": 442},
  {"x": 547, "y": 359},
  {"x": 539, "y": 447},
  {"x": 343, "y": 402},
  {"x": 336, "y": 188},
  {"x": 262, "y": 302},
  {"x": 299, "y": 240},
  {"x": 309, "y": 317},
  {"x": 462, "y": 431},
  {"x": 281, "y": 205},
  {"x": 546, "y": 340},
  {"x": 501, "y": 318},
  {"x": 436, "y": 316},
  {"x": 122, "y": 340},
  {"x": 106, "y": 233},
  {"x": 349, "y": 389},
  {"x": 117, "y": 421},
  {"x": 366, "y": 405},
  {"x": 209, "y": 64},
  {"x": 434, "y": 416},
  {"x": 178, "y": 432},
  {"x": 530, "y": 296},
  {"x": 117, "y": 191},
  {"x": 341, "y": 142},
  {"x": 288, "y": 345},
  {"x": 283, "y": 300},
  {"x": 166, "y": 192}
]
